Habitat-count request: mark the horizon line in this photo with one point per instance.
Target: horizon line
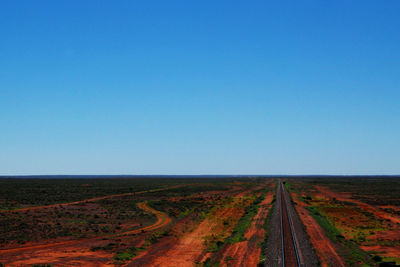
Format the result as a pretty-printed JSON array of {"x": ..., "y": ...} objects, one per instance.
[{"x": 194, "y": 175}]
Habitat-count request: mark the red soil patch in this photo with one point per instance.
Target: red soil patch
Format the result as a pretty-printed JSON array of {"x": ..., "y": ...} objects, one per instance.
[
  {"x": 67, "y": 204},
  {"x": 209, "y": 194},
  {"x": 60, "y": 256},
  {"x": 73, "y": 252},
  {"x": 247, "y": 253},
  {"x": 386, "y": 235},
  {"x": 189, "y": 248},
  {"x": 294, "y": 196},
  {"x": 386, "y": 251},
  {"x": 395, "y": 208},
  {"x": 87, "y": 200},
  {"x": 364, "y": 206},
  {"x": 162, "y": 220},
  {"x": 391, "y": 221},
  {"x": 323, "y": 246}
]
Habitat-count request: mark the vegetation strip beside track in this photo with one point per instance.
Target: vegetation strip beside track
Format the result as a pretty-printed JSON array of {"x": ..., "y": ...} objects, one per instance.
[
  {"x": 345, "y": 251},
  {"x": 241, "y": 242},
  {"x": 266, "y": 226}
]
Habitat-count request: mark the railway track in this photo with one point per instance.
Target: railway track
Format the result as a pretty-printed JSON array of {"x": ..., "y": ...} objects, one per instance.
[{"x": 289, "y": 246}]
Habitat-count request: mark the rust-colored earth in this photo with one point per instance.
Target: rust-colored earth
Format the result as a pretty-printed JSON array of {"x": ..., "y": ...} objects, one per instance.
[
  {"x": 74, "y": 252},
  {"x": 364, "y": 206},
  {"x": 386, "y": 251},
  {"x": 390, "y": 207},
  {"x": 391, "y": 235},
  {"x": 247, "y": 253},
  {"x": 189, "y": 247},
  {"x": 323, "y": 246},
  {"x": 88, "y": 200}
]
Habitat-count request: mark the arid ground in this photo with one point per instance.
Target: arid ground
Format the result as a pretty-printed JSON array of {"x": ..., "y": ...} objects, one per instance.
[{"x": 230, "y": 221}]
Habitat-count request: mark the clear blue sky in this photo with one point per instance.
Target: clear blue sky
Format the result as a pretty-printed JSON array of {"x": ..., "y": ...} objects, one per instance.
[{"x": 199, "y": 87}]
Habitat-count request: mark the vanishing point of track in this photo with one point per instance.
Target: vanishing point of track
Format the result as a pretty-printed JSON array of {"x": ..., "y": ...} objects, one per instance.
[{"x": 290, "y": 255}]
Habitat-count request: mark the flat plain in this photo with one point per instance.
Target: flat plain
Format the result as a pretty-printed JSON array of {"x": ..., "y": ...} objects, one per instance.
[{"x": 230, "y": 221}]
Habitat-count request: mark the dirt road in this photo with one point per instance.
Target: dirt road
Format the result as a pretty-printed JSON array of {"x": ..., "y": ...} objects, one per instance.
[
  {"x": 189, "y": 247},
  {"x": 79, "y": 249},
  {"x": 162, "y": 220},
  {"x": 87, "y": 200}
]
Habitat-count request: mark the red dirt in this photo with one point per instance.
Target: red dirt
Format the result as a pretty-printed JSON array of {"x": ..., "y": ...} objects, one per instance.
[
  {"x": 75, "y": 252},
  {"x": 364, "y": 206},
  {"x": 323, "y": 246},
  {"x": 390, "y": 235},
  {"x": 162, "y": 220},
  {"x": 386, "y": 251},
  {"x": 247, "y": 253},
  {"x": 386, "y": 235},
  {"x": 67, "y": 204},
  {"x": 209, "y": 194},
  {"x": 72, "y": 255},
  {"x": 392, "y": 221},
  {"x": 86, "y": 200},
  {"x": 189, "y": 247},
  {"x": 390, "y": 207}
]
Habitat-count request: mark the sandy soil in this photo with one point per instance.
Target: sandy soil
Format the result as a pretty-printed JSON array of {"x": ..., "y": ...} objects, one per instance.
[
  {"x": 323, "y": 246},
  {"x": 247, "y": 253}
]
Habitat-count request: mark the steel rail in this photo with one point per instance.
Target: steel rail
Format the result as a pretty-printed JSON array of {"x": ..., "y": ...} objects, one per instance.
[
  {"x": 283, "y": 196},
  {"x": 292, "y": 230}
]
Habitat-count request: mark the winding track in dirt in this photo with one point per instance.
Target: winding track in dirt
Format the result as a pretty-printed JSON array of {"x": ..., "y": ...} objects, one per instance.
[
  {"x": 88, "y": 200},
  {"x": 189, "y": 247},
  {"x": 162, "y": 220}
]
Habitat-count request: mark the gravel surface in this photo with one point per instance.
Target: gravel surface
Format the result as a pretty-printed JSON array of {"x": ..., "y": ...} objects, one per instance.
[
  {"x": 273, "y": 253},
  {"x": 273, "y": 248},
  {"x": 308, "y": 258}
]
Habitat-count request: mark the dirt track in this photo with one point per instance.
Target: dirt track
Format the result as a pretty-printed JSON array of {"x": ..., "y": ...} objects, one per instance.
[
  {"x": 189, "y": 247},
  {"x": 58, "y": 252},
  {"x": 162, "y": 220},
  {"x": 87, "y": 200}
]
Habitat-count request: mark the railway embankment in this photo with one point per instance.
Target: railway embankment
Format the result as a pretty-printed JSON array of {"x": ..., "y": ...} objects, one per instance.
[{"x": 288, "y": 243}]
